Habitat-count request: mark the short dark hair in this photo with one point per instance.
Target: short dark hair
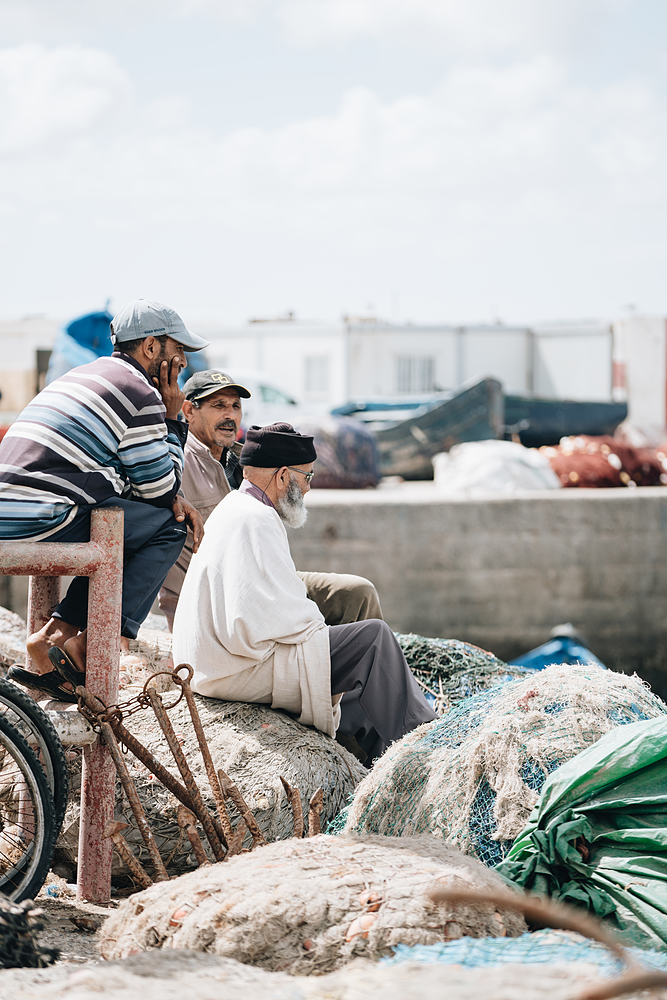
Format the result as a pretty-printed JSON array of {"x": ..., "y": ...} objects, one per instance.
[{"x": 131, "y": 346}]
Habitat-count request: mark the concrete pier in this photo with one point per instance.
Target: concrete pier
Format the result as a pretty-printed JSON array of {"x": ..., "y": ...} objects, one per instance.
[{"x": 501, "y": 572}]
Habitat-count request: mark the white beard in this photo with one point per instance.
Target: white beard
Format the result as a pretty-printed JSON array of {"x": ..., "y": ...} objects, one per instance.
[{"x": 291, "y": 508}]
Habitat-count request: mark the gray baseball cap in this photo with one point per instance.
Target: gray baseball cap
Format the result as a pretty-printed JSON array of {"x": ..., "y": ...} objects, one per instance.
[{"x": 143, "y": 318}]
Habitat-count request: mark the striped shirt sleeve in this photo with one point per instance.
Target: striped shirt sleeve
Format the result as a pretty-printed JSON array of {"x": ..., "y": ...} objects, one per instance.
[{"x": 151, "y": 455}]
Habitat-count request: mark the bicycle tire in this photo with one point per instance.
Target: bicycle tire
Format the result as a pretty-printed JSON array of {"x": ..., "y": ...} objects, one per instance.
[
  {"x": 27, "y": 818},
  {"x": 23, "y": 712}
]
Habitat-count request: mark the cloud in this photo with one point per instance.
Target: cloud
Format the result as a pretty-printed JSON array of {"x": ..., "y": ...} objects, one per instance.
[
  {"x": 491, "y": 171},
  {"x": 473, "y": 26},
  {"x": 49, "y": 95}
]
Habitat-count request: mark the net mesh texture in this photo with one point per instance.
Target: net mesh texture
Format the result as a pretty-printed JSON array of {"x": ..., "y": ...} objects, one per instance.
[
  {"x": 448, "y": 670},
  {"x": 544, "y": 947},
  {"x": 473, "y": 775}
]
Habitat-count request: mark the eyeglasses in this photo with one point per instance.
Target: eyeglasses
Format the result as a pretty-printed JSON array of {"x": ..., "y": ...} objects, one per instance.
[{"x": 308, "y": 475}]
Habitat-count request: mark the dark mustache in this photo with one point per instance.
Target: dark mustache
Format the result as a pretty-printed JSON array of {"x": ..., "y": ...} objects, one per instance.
[{"x": 227, "y": 425}]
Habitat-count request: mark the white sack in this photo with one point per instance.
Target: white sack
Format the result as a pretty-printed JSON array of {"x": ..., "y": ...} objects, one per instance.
[{"x": 483, "y": 467}]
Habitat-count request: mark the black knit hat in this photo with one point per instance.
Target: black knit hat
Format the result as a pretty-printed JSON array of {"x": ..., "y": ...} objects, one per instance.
[{"x": 276, "y": 445}]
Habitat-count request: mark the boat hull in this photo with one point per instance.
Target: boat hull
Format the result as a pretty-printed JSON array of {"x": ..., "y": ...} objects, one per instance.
[{"x": 475, "y": 413}]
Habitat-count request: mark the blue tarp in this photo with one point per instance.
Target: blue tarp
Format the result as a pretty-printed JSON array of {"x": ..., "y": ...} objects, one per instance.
[
  {"x": 79, "y": 342},
  {"x": 560, "y": 649}
]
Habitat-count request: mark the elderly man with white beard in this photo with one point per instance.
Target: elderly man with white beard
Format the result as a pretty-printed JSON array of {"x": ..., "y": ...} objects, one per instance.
[{"x": 245, "y": 623}]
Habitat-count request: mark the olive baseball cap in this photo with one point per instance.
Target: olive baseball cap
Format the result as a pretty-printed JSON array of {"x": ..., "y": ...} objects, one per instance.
[
  {"x": 143, "y": 318},
  {"x": 206, "y": 383}
]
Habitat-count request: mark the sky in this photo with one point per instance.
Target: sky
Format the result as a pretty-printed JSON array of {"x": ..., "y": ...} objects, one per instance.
[{"x": 423, "y": 160}]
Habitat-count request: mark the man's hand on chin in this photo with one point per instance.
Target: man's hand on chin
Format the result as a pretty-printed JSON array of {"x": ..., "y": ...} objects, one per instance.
[{"x": 184, "y": 511}]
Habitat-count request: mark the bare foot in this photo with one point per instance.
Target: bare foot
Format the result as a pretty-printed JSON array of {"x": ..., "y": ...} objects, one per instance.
[
  {"x": 124, "y": 644},
  {"x": 55, "y": 633},
  {"x": 76, "y": 650}
]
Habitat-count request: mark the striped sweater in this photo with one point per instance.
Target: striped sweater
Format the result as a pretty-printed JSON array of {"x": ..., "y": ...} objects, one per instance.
[{"x": 96, "y": 432}]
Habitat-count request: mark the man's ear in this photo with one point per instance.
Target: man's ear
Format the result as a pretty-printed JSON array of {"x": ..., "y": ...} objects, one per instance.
[
  {"x": 187, "y": 409},
  {"x": 151, "y": 346},
  {"x": 282, "y": 476}
]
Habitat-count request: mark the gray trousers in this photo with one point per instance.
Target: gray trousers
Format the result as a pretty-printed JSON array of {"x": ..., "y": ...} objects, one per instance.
[{"x": 382, "y": 699}]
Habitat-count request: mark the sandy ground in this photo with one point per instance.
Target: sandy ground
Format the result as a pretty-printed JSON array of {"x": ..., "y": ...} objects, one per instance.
[{"x": 70, "y": 925}]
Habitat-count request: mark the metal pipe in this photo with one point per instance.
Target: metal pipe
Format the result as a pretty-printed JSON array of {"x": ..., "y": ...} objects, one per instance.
[
  {"x": 43, "y": 595},
  {"x": 314, "y": 810},
  {"x": 294, "y": 796},
  {"x": 202, "y": 812},
  {"x": 184, "y": 684},
  {"x": 237, "y": 840},
  {"x": 113, "y": 829},
  {"x": 109, "y": 738},
  {"x": 54, "y": 558},
  {"x": 98, "y": 778},
  {"x": 186, "y": 820},
  {"x": 229, "y": 788},
  {"x": 161, "y": 773}
]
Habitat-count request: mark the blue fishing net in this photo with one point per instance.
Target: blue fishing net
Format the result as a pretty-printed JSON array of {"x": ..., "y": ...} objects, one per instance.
[
  {"x": 472, "y": 776},
  {"x": 545, "y": 947}
]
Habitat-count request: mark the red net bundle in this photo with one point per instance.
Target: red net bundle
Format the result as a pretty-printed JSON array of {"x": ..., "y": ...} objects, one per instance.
[{"x": 584, "y": 461}]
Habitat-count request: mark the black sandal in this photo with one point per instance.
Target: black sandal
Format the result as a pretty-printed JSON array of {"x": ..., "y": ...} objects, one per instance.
[
  {"x": 51, "y": 683},
  {"x": 63, "y": 664}
]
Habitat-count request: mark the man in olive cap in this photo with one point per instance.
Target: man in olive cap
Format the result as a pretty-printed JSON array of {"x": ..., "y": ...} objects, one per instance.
[
  {"x": 105, "y": 434},
  {"x": 213, "y": 409},
  {"x": 245, "y": 622}
]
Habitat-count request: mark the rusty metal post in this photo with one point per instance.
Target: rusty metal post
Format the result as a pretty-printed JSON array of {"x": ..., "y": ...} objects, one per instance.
[
  {"x": 43, "y": 595},
  {"x": 98, "y": 778},
  {"x": 102, "y": 560}
]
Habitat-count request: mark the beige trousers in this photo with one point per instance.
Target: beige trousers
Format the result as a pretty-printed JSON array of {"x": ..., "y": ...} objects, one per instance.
[{"x": 342, "y": 597}]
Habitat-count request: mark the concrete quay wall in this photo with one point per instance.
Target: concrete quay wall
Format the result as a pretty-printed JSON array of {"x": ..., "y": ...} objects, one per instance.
[{"x": 501, "y": 572}]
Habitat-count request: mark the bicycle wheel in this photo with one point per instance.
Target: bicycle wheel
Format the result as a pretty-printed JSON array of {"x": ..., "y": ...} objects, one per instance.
[
  {"x": 41, "y": 735},
  {"x": 27, "y": 818}
]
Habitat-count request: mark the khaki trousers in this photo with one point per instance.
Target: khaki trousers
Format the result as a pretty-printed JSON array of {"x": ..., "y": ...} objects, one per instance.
[{"x": 342, "y": 597}]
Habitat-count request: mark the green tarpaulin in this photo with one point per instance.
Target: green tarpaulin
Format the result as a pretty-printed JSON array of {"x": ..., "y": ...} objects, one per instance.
[{"x": 597, "y": 837}]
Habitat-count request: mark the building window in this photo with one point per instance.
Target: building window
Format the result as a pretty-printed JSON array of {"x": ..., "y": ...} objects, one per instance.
[
  {"x": 415, "y": 374},
  {"x": 317, "y": 375}
]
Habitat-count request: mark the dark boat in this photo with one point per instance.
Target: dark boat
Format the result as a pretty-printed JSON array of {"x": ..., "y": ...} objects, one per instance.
[
  {"x": 410, "y": 432},
  {"x": 546, "y": 421}
]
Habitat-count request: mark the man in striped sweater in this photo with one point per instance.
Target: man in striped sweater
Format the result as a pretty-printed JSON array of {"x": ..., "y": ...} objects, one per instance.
[{"x": 104, "y": 435}]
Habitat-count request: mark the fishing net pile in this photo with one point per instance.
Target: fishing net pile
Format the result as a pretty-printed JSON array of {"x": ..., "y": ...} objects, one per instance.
[
  {"x": 473, "y": 776},
  {"x": 604, "y": 461},
  {"x": 254, "y": 744},
  {"x": 542, "y": 948},
  {"x": 12, "y": 639},
  {"x": 20, "y": 926},
  {"x": 148, "y": 653},
  {"x": 449, "y": 670},
  {"x": 309, "y": 906},
  {"x": 164, "y": 975},
  {"x": 347, "y": 455}
]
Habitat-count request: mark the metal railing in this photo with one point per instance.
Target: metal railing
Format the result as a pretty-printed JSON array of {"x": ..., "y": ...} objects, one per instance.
[{"x": 100, "y": 559}]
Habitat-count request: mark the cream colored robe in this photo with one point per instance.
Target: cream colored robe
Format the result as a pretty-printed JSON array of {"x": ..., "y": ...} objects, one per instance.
[{"x": 244, "y": 610}]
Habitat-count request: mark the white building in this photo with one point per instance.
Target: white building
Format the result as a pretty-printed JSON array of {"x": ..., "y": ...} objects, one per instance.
[
  {"x": 25, "y": 345},
  {"x": 640, "y": 369},
  {"x": 325, "y": 365}
]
